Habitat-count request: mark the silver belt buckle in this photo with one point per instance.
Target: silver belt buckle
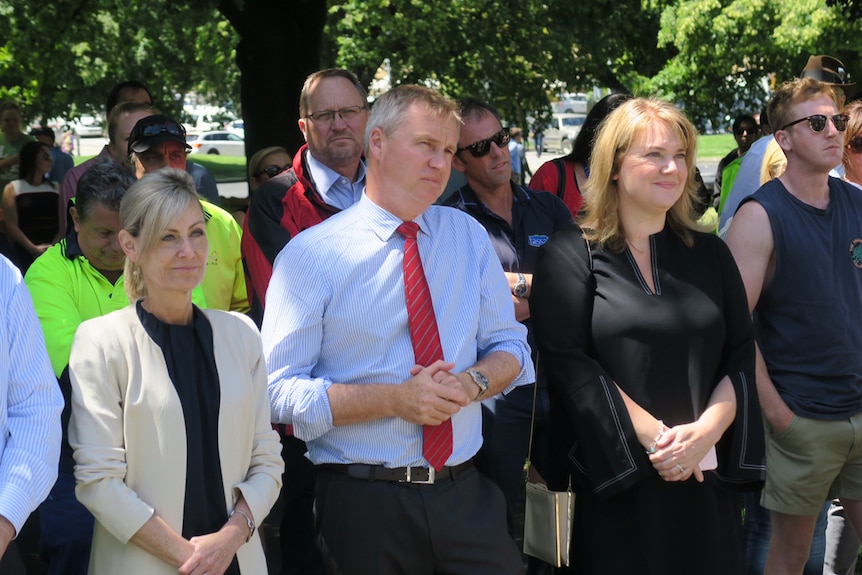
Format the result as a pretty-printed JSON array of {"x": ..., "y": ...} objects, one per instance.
[{"x": 432, "y": 473}]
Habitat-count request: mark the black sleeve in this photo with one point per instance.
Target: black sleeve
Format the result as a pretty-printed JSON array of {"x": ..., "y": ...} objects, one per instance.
[{"x": 591, "y": 422}]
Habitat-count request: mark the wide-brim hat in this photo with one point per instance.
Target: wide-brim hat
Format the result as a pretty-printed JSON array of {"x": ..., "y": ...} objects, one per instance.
[
  {"x": 829, "y": 70},
  {"x": 154, "y": 130}
]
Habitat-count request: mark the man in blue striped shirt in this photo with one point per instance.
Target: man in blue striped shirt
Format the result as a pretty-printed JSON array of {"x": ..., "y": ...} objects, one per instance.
[
  {"x": 30, "y": 406},
  {"x": 342, "y": 367}
]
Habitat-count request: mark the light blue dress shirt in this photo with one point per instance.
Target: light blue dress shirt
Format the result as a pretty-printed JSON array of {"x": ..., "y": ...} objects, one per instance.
[
  {"x": 341, "y": 317},
  {"x": 335, "y": 189},
  {"x": 30, "y": 404}
]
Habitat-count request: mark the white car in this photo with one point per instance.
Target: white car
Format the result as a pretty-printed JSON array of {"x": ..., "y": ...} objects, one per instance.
[
  {"x": 221, "y": 142},
  {"x": 563, "y": 131},
  {"x": 88, "y": 127}
]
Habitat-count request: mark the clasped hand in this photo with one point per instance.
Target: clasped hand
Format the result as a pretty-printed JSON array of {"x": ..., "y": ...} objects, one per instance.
[
  {"x": 679, "y": 450},
  {"x": 432, "y": 395}
]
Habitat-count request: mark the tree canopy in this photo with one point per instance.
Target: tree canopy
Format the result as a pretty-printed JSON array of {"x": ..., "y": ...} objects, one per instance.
[{"x": 715, "y": 58}]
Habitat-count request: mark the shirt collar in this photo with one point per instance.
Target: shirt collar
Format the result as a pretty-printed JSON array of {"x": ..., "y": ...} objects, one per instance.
[
  {"x": 383, "y": 223},
  {"x": 325, "y": 177}
]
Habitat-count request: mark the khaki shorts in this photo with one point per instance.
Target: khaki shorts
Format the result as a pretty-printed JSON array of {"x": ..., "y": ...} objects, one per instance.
[{"x": 811, "y": 461}]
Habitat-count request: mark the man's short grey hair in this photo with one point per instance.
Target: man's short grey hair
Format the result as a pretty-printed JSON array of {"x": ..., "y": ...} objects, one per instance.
[
  {"x": 389, "y": 109},
  {"x": 104, "y": 183}
]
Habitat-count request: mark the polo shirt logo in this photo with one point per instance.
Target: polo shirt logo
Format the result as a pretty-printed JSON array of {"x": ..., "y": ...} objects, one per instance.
[
  {"x": 856, "y": 252},
  {"x": 537, "y": 241}
]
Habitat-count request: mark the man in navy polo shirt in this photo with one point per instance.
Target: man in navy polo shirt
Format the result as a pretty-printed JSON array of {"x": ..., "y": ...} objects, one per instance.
[{"x": 519, "y": 221}]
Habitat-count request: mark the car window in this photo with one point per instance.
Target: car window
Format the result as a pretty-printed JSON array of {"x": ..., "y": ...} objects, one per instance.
[{"x": 573, "y": 121}]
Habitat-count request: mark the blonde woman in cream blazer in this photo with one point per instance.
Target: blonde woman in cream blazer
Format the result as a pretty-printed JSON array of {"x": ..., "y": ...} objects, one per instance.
[{"x": 129, "y": 427}]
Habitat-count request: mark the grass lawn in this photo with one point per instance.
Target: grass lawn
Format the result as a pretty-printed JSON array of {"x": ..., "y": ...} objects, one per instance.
[
  {"x": 223, "y": 168},
  {"x": 714, "y": 146}
]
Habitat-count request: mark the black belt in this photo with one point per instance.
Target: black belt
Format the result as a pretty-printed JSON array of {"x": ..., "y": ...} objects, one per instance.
[{"x": 400, "y": 474}]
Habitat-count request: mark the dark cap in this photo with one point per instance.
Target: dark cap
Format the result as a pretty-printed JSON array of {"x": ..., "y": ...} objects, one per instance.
[
  {"x": 154, "y": 130},
  {"x": 828, "y": 70},
  {"x": 43, "y": 131}
]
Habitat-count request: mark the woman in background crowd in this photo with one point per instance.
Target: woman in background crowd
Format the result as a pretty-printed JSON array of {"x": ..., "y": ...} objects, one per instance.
[
  {"x": 175, "y": 454},
  {"x": 643, "y": 328},
  {"x": 568, "y": 175},
  {"x": 30, "y": 206}
]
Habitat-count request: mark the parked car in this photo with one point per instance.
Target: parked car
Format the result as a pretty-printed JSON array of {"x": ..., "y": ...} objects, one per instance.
[
  {"x": 563, "y": 131},
  {"x": 570, "y": 103},
  {"x": 87, "y": 127},
  {"x": 222, "y": 142}
]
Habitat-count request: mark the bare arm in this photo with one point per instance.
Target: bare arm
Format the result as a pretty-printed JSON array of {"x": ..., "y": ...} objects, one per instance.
[
  {"x": 7, "y": 533},
  {"x": 751, "y": 243},
  {"x": 522, "y": 304},
  {"x": 14, "y": 232}
]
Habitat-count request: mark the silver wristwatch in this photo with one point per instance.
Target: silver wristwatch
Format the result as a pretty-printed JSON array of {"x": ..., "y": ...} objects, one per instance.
[
  {"x": 520, "y": 287},
  {"x": 480, "y": 380}
]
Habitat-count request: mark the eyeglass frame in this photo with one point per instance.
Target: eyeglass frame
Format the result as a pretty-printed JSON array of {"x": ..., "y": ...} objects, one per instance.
[
  {"x": 272, "y": 167},
  {"x": 844, "y": 117},
  {"x": 501, "y": 138},
  {"x": 316, "y": 117}
]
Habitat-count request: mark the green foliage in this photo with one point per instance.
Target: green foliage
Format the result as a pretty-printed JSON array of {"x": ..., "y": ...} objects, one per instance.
[
  {"x": 62, "y": 58},
  {"x": 730, "y": 53}
]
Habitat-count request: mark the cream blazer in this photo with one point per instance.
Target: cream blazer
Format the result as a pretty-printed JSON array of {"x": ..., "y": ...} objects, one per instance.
[{"x": 128, "y": 433}]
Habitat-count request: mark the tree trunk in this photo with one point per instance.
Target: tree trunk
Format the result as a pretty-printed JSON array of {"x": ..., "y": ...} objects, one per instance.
[{"x": 280, "y": 45}]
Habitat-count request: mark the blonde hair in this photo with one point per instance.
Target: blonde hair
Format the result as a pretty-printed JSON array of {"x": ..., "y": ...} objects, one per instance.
[
  {"x": 147, "y": 210},
  {"x": 601, "y": 220},
  {"x": 389, "y": 109},
  {"x": 854, "y": 126}
]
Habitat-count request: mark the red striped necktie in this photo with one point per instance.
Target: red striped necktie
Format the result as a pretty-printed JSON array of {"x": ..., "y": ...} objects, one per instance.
[{"x": 436, "y": 439}]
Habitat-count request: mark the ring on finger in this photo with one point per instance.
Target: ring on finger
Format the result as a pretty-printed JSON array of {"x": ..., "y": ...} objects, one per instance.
[{"x": 680, "y": 468}]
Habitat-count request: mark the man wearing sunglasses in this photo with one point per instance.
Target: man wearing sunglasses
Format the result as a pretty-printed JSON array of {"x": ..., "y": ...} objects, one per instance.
[
  {"x": 518, "y": 221},
  {"x": 327, "y": 175},
  {"x": 158, "y": 142},
  {"x": 798, "y": 244},
  {"x": 825, "y": 69}
]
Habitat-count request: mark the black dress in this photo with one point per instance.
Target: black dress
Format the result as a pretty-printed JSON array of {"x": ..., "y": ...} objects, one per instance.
[
  {"x": 598, "y": 323},
  {"x": 190, "y": 359}
]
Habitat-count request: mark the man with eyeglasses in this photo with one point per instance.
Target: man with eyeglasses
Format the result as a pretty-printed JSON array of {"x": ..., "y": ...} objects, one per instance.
[
  {"x": 327, "y": 176},
  {"x": 518, "y": 221},
  {"x": 797, "y": 242},
  {"x": 158, "y": 142}
]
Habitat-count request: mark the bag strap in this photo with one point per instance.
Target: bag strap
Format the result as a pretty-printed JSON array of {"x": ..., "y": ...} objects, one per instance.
[
  {"x": 561, "y": 177},
  {"x": 528, "y": 463}
]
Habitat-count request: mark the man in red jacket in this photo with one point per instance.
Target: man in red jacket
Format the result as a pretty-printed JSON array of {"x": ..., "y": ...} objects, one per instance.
[{"x": 327, "y": 176}]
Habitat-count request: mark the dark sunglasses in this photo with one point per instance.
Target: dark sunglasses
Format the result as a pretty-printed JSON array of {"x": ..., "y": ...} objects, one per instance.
[
  {"x": 817, "y": 122},
  {"x": 169, "y": 127},
  {"x": 483, "y": 147},
  {"x": 855, "y": 144},
  {"x": 271, "y": 171}
]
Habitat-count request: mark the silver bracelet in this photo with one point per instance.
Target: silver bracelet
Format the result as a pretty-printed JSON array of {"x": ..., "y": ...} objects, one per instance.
[{"x": 248, "y": 520}]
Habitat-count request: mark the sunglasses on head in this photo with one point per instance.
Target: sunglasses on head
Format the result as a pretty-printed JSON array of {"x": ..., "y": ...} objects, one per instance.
[
  {"x": 855, "y": 144},
  {"x": 169, "y": 127},
  {"x": 817, "y": 122},
  {"x": 483, "y": 147},
  {"x": 271, "y": 171}
]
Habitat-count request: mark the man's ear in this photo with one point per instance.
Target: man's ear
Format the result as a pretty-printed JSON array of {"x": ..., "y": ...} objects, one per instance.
[
  {"x": 376, "y": 142},
  {"x": 303, "y": 127},
  {"x": 458, "y": 163},
  {"x": 76, "y": 218}
]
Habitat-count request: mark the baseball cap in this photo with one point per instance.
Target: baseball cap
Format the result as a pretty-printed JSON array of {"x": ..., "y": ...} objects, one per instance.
[{"x": 154, "y": 130}]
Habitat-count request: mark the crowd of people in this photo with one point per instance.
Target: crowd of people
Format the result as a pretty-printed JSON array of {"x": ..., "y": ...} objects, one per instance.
[{"x": 351, "y": 374}]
